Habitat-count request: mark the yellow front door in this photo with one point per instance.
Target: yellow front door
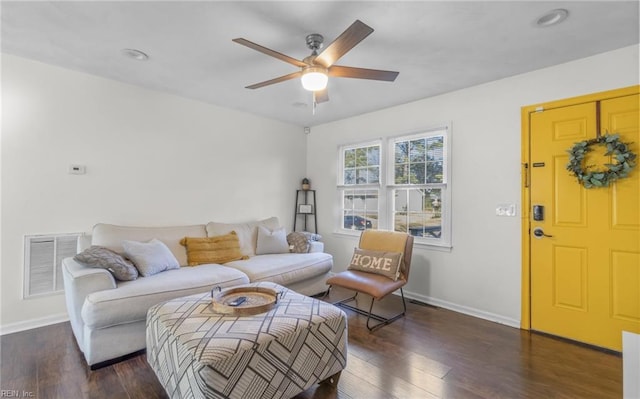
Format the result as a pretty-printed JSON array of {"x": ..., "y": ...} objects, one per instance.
[{"x": 585, "y": 249}]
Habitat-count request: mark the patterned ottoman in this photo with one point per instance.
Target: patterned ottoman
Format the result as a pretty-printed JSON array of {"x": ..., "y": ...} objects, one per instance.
[{"x": 200, "y": 354}]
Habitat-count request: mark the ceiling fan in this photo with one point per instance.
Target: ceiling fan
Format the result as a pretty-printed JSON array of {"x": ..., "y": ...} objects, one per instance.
[{"x": 315, "y": 69}]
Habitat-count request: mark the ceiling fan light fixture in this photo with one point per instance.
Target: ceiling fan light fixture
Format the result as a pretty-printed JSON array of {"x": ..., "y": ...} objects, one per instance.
[{"x": 314, "y": 78}]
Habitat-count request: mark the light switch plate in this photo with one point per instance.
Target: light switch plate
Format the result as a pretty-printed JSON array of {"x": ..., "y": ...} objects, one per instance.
[{"x": 506, "y": 210}]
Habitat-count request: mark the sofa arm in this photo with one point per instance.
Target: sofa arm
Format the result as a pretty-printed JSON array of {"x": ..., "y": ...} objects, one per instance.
[
  {"x": 316, "y": 246},
  {"x": 80, "y": 281}
]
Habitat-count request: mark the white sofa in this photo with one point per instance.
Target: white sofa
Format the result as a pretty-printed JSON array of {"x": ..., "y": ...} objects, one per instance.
[{"x": 108, "y": 316}]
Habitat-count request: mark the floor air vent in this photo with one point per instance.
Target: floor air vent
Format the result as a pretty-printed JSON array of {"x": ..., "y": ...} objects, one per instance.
[{"x": 43, "y": 256}]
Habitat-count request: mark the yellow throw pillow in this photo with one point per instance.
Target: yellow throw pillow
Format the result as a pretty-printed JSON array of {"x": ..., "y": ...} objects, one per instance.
[{"x": 217, "y": 249}]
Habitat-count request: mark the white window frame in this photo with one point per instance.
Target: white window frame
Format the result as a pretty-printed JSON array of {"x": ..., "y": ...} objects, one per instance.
[
  {"x": 342, "y": 187},
  {"x": 444, "y": 130},
  {"x": 386, "y": 187}
]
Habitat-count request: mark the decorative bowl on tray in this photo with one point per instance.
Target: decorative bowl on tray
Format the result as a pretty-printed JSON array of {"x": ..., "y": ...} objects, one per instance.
[{"x": 244, "y": 301}]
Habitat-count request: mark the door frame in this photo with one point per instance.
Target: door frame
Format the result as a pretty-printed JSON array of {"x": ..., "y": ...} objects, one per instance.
[{"x": 526, "y": 111}]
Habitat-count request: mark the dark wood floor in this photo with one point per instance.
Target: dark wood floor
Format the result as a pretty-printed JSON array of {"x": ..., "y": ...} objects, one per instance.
[{"x": 431, "y": 353}]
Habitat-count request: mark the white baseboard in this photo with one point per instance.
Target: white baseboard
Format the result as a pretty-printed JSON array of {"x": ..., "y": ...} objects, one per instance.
[
  {"x": 62, "y": 317},
  {"x": 481, "y": 314},
  {"x": 34, "y": 323}
]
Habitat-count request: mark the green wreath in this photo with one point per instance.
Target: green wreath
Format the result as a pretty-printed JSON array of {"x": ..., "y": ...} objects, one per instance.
[{"x": 601, "y": 178}]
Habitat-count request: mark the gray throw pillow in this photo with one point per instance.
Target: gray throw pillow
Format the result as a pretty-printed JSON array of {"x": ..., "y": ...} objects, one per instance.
[
  {"x": 151, "y": 257},
  {"x": 97, "y": 256}
]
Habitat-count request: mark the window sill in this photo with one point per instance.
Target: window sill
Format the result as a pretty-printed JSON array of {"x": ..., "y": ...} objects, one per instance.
[
  {"x": 416, "y": 242},
  {"x": 432, "y": 247},
  {"x": 348, "y": 233}
]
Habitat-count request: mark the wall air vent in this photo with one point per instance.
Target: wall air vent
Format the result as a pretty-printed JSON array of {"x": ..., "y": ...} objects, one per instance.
[{"x": 43, "y": 256}]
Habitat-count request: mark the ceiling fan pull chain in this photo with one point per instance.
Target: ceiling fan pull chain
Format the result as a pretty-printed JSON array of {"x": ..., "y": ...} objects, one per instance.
[{"x": 314, "y": 103}]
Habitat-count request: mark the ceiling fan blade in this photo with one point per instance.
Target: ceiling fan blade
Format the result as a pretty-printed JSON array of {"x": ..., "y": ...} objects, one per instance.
[
  {"x": 270, "y": 52},
  {"x": 345, "y": 42},
  {"x": 321, "y": 96},
  {"x": 276, "y": 80},
  {"x": 362, "y": 73}
]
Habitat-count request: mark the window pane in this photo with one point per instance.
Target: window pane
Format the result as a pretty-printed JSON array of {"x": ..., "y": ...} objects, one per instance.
[
  {"x": 350, "y": 158},
  {"x": 361, "y": 176},
  {"x": 361, "y": 209},
  {"x": 373, "y": 218},
  {"x": 361, "y": 156},
  {"x": 347, "y": 199},
  {"x": 402, "y": 174},
  {"x": 418, "y": 211},
  {"x": 374, "y": 174},
  {"x": 434, "y": 172},
  {"x": 419, "y": 161},
  {"x": 400, "y": 203},
  {"x": 417, "y": 173},
  {"x": 402, "y": 152},
  {"x": 373, "y": 155},
  {"x": 350, "y": 176},
  {"x": 371, "y": 201},
  {"x": 361, "y": 165},
  {"x": 435, "y": 147},
  {"x": 417, "y": 150}
]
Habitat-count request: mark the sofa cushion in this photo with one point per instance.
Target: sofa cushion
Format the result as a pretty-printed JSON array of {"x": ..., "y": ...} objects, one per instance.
[
  {"x": 130, "y": 301},
  {"x": 151, "y": 257},
  {"x": 111, "y": 236},
  {"x": 97, "y": 256},
  {"x": 284, "y": 269},
  {"x": 218, "y": 249},
  {"x": 272, "y": 241},
  {"x": 247, "y": 232}
]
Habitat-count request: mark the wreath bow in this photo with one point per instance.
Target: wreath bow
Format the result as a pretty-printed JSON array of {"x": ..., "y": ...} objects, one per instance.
[{"x": 620, "y": 152}]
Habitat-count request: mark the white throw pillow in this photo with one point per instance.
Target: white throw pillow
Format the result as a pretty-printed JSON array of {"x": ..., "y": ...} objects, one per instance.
[
  {"x": 247, "y": 232},
  {"x": 272, "y": 241},
  {"x": 151, "y": 257}
]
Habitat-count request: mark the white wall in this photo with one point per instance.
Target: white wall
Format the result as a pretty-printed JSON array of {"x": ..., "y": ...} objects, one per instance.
[
  {"x": 482, "y": 273},
  {"x": 157, "y": 159},
  {"x": 151, "y": 158}
]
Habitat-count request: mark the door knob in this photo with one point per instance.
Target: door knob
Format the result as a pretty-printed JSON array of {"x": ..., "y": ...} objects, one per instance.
[{"x": 539, "y": 233}]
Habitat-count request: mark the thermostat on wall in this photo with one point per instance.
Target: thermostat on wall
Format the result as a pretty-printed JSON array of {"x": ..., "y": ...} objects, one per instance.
[{"x": 77, "y": 169}]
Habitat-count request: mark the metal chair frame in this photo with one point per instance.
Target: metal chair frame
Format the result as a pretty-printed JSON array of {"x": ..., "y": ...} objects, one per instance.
[
  {"x": 388, "y": 241},
  {"x": 383, "y": 321}
]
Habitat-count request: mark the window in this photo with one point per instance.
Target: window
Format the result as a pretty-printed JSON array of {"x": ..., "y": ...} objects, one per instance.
[
  {"x": 360, "y": 186},
  {"x": 414, "y": 194},
  {"x": 419, "y": 192}
]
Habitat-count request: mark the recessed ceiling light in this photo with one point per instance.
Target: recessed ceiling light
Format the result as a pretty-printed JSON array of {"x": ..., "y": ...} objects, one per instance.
[
  {"x": 553, "y": 17},
  {"x": 135, "y": 54}
]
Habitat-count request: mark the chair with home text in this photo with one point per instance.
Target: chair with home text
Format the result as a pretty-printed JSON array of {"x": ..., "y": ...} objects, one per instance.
[{"x": 379, "y": 266}]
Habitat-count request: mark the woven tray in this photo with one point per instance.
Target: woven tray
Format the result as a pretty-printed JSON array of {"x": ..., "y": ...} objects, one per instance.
[{"x": 259, "y": 300}]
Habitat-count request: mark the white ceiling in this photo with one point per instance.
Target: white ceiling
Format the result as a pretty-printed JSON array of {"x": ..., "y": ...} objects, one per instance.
[{"x": 437, "y": 46}]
